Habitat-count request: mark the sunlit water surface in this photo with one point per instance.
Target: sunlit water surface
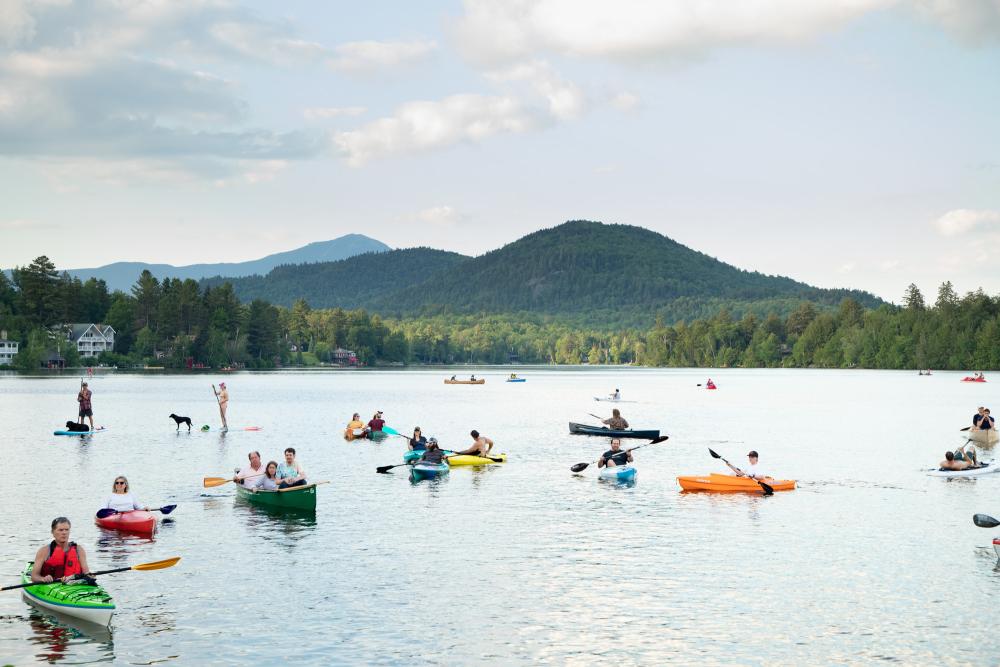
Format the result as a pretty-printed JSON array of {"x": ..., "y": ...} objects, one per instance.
[{"x": 869, "y": 560}]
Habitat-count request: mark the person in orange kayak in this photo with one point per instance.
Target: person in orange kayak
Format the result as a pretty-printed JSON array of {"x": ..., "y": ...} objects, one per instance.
[
  {"x": 753, "y": 470},
  {"x": 121, "y": 499},
  {"x": 481, "y": 445},
  {"x": 60, "y": 559},
  {"x": 615, "y": 456}
]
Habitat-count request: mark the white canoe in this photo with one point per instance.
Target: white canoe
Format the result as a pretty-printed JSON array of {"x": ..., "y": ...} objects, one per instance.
[
  {"x": 989, "y": 437},
  {"x": 987, "y": 469}
]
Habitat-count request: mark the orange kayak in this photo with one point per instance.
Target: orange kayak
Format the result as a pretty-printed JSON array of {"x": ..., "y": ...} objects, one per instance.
[{"x": 730, "y": 483}]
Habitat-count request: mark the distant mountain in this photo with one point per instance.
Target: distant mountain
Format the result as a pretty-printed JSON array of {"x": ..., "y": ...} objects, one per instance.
[
  {"x": 356, "y": 282},
  {"x": 122, "y": 275},
  {"x": 592, "y": 273}
]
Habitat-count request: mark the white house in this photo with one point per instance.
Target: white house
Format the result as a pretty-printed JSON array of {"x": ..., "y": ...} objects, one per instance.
[
  {"x": 91, "y": 339},
  {"x": 8, "y": 349}
]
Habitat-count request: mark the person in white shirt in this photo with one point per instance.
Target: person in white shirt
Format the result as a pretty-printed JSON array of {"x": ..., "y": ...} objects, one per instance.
[
  {"x": 753, "y": 470},
  {"x": 121, "y": 499},
  {"x": 248, "y": 475}
]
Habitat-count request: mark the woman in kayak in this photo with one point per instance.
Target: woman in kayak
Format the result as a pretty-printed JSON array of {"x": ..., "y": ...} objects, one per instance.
[
  {"x": 290, "y": 473},
  {"x": 376, "y": 423},
  {"x": 60, "y": 559},
  {"x": 418, "y": 442},
  {"x": 433, "y": 454},
  {"x": 121, "y": 499},
  {"x": 616, "y": 422},
  {"x": 355, "y": 424},
  {"x": 615, "y": 456},
  {"x": 269, "y": 481}
]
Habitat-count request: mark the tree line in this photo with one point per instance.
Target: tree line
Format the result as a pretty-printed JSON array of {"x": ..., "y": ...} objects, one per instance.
[{"x": 175, "y": 323}]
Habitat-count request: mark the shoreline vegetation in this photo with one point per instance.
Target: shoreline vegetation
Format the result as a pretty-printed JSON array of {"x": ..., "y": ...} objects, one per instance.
[{"x": 175, "y": 324}]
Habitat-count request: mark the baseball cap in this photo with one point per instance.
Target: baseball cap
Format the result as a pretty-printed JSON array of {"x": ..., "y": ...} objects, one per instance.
[{"x": 753, "y": 453}]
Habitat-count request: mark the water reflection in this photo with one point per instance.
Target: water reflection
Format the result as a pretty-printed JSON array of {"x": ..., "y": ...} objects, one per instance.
[
  {"x": 56, "y": 634},
  {"x": 283, "y": 526},
  {"x": 119, "y": 547}
]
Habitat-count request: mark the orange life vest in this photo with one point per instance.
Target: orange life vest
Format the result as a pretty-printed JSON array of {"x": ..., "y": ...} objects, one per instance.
[{"x": 62, "y": 563}]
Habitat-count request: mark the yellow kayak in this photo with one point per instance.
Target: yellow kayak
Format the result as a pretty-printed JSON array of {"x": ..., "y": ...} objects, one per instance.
[{"x": 472, "y": 460}]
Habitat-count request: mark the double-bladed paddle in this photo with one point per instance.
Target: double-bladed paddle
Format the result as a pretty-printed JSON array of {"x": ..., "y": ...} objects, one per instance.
[
  {"x": 985, "y": 521},
  {"x": 579, "y": 467},
  {"x": 768, "y": 489},
  {"x": 107, "y": 511},
  {"x": 155, "y": 565}
]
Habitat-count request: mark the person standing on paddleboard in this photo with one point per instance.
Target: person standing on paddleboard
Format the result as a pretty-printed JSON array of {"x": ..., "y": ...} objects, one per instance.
[
  {"x": 60, "y": 559},
  {"x": 86, "y": 409},
  {"x": 223, "y": 397}
]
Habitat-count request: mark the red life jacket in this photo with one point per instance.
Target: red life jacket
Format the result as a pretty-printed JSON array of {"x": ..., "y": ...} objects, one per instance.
[{"x": 62, "y": 563}]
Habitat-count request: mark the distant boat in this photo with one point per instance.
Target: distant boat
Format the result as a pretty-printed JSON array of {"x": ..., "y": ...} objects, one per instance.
[{"x": 479, "y": 381}]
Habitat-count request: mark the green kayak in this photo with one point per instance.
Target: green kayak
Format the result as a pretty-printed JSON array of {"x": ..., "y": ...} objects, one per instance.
[
  {"x": 82, "y": 601},
  {"x": 296, "y": 498}
]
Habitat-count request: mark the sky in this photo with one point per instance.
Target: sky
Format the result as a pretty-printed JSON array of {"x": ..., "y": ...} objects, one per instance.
[{"x": 848, "y": 143}]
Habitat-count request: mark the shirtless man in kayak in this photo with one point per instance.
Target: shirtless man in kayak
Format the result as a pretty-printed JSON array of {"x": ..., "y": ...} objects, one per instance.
[
  {"x": 60, "y": 559},
  {"x": 753, "y": 470},
  {"x": 615, "y": 456},
  {"x": 481, "y": 445}
]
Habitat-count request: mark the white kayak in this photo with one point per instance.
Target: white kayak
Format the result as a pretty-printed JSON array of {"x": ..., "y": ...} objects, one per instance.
[
  {"x": 611, "y": 400},
  {"x": 624, "y": 473},
  {"x": 988, "y": 437},
  {"x": 987, "y": 469}
]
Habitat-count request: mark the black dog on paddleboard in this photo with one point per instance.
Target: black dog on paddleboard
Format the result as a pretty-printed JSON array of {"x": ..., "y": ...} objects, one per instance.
[
  {"x": 77, "y": 428},
  {"x": 181, "y": 420}
]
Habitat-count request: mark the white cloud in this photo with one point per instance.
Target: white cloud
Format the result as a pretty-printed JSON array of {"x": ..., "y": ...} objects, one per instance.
[
  {"x": 975, "y": 21},
  {"x": 964, "y": 221},
  {"x": 322, "y": 113},
  {"x": 504, "y": 30},
  {"x": 425, "y": 125},
  {"x": 371, "y": 55},
  {"x": 564, "y": 98},
  {"x": 16, "y": 23},
  {"x": 439, "y": 215}
]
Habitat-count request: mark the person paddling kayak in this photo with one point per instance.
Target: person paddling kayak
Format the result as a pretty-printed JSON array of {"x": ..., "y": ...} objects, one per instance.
[
  {"x": 418, "y": 442},
  {"x": 753, "y": 470},
  {"x": 616, "y": 421},
  {"x": 433, "y": 453},
  {"x": 481, "y": 445},
  {"x": 376, "y": 423},
  {"x": 60, "y": 559},
  {"x": 121, "y": 500},
  {"x": 356, "y": 424},
  {"x": 248, "y": 475},
  {"x": 614, "y": 456}
]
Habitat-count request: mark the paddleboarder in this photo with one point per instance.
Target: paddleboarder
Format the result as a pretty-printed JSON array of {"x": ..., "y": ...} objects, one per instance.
[
  {"x": 223, "y": 397},
  {"x": 86, "y": 408},
  {"x": 60, "y": 559}
]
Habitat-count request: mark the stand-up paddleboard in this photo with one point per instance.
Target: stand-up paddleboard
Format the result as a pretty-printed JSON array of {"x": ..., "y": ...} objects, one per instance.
[
  {"x": 203, "y": 429},
  {"x": 100, "y": 429}
]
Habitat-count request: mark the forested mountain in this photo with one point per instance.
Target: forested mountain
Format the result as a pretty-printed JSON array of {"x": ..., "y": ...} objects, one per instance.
[
  {"x": 356, "y": 282},
  {"x": 588, "y": 273},
  {"x": 121, "y": 275}
]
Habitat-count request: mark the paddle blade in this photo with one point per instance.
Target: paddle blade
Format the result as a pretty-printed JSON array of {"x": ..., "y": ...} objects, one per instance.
[
  {"x": 714, "y": 455},
  {"x": 214, "y": 481},
  {"x": 158, "y": 565},
  {"x": 384, "y": 469},
  {"x": 965, "y": 429},
  {"x": 985, "y": 521},
  {"x": 167, "y": 509},
  {"x": 768, "y": 489},
  {"x": 661, "y": 439},
  {"x": 106, "y": 512},
  {"x": 579, "y": 467},
  {"x": 390, "y": 430}
]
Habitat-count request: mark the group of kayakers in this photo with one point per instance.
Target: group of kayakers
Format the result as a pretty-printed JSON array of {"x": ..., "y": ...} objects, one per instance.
[
  {"x": 273, "y": 476},
  {"x": 481, "y": 446},
  {"x": 358, "y": 429}
]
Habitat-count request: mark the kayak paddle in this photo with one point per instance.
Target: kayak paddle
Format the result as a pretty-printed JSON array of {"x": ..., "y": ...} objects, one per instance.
[
  {"x": 985, "y": 521},
  {"x": 384, "y": 469},
  {"x": 579, "y": 467},
  {"x": 219, "y": 481},
  {"x": 156, "y": 565},
  {"x": 107, "y": 511},
  {"x": 390, "y": 430},
  {"x": 965, "y": 429},
  {"x": 768, "y": 489}
]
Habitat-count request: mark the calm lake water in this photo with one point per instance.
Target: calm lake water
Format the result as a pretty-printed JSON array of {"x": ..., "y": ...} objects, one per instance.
[{"x": 525, "y": 563}]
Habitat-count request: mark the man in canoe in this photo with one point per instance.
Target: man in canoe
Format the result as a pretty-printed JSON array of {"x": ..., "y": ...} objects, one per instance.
[
  {"x": 614, "y": 456},
  {"x": 481, "y": 445},
  {"x": 248, "y": 475},
  {"x": 753, "y": 470},
  {"x": 616, "y": 422},
  {"x": 60, "y": 559},
  {"x": 982, "y": 421},
  {"x": 290, "y": 473},
  {"x": 86, "y": 409}
]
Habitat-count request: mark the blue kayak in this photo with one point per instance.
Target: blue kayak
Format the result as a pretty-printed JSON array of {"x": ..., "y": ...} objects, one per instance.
[
  {"x": 516, "y": 380},
  {"x": 617, "y": 473},
  {"x": 96, "y": 430},
  {"x": 428, "y": 470}
]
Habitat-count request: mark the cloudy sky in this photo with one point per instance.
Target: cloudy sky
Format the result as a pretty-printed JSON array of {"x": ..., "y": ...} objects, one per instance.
[{"x": 849, "y": 143}]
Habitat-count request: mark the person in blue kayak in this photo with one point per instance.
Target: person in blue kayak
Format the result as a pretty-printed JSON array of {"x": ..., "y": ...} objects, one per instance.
[
  {"x": 60, "y": 559},
  {"x": 616, "y": 421},
  {"x": 289, "y": 472},
  {"x": 433, "y": 453},
  {"x": 481, "y": 445},
  {"x": 615, "y": 456},
  {"x": 418, "y": 442},
  {"x": 753, "y": 471}
]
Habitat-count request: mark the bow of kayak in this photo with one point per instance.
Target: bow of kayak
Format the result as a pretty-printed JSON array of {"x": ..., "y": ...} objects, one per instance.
[
  {"x": 617, "y": 473},
  {"x": 421, "y": 471},
  {"x": 136, "y": 521},
  {"x": 470, "y": 460},
  {"x": 730, "y": 483},
  {"x": 82, "y": 601}
]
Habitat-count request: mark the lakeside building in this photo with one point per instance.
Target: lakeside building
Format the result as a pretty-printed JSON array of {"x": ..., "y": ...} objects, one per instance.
[
  {"x": 344, "y": 357},
  {"x": 91, "y": 339},
  {"x": 8, "y": 349}
]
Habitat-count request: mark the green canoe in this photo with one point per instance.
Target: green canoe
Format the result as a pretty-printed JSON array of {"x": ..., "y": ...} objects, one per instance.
[
  {"x": 87, "y": 603},
  {"x": 296, "y": 498}
]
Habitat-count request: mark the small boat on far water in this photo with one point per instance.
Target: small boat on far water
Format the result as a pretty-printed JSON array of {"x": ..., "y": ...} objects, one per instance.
[{"x": 454, "y": 381}]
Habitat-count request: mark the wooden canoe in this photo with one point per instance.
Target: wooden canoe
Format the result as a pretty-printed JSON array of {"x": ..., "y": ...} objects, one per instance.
[{"x": 479, "y": 381}]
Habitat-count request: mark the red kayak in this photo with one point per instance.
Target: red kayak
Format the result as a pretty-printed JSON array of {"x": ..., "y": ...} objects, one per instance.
[
  {"x": 968, "y": 379},
  {"x": 136, "y": 521}
]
